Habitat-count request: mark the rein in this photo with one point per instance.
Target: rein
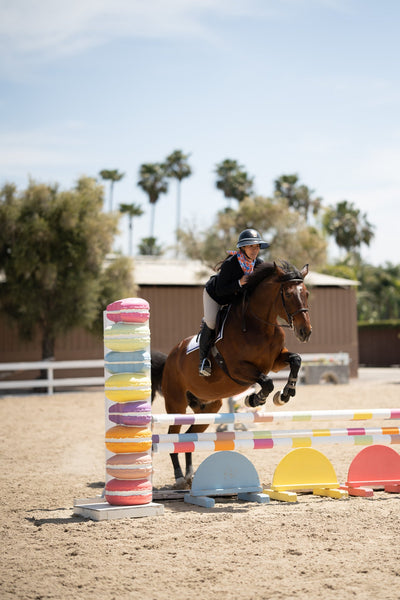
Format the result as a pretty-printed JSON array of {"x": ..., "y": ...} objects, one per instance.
[{"x": 289, "y": 315}]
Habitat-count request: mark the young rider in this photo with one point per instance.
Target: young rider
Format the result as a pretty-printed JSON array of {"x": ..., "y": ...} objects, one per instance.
[{"x": 223, "y": 287}]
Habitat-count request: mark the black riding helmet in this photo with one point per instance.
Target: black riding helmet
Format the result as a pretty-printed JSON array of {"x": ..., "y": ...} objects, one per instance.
[{"x": 251, "y": 237}]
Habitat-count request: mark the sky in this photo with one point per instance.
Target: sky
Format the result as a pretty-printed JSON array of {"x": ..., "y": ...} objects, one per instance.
[{"x": 282, "y": 86}]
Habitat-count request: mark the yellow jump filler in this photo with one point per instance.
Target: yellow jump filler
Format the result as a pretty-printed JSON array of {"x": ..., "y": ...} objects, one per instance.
[{"x": 305, "y": 470}]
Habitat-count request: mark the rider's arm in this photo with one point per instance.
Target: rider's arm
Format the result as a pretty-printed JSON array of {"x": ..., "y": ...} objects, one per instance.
[{"x": 227, "y": 282}]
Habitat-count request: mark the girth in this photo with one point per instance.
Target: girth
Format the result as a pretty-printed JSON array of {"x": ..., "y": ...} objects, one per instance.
[{"x": 222, "y": 364}]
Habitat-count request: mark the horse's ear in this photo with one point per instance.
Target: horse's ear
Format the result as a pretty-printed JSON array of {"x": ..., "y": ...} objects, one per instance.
[
  {"x": 304, "y": 271},
  {"x": 278, "y": 270}
]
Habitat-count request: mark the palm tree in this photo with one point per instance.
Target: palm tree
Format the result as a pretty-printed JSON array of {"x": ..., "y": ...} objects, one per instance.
[
  {"x": 149, "y": 247},
  {"x": 131, "y": 210},
  {"x": 348, "y": 226},
  {"x": 299, "y": 197},
  {"x": 111, "y": 175},
  {"x": 233, "y": 180},
  {"x": 153, "y": 182},
  {"x": 176, "y": 167}
]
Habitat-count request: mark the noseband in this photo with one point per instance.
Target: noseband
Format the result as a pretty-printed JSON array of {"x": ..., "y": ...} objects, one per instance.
[{"x": 289, "y": 315}]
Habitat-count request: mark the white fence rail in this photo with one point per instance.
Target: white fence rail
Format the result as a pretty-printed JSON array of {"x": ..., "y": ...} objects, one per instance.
[
  {"x": 315, "y": 366},
  {"x": 50, "y": 382}
]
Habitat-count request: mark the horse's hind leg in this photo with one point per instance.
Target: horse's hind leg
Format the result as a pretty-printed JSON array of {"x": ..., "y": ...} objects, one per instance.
[
  {"x": 198, "y": 407},
  {"x": 180, "y": 481},
  {"x": 175, "y": 403}
]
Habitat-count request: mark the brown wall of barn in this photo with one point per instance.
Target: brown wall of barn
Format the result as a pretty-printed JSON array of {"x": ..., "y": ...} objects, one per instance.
[
  {"x": 379, "y": 347},
  {"x": 75, "y": 345},
  {"x": 176, "y": 312},
  {"x": 333, "y": 313}
]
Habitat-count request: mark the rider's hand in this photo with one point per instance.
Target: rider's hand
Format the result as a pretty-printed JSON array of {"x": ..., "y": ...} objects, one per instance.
[{"x": 243, "y": 280}]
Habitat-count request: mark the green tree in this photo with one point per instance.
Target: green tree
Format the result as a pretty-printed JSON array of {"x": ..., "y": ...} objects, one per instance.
[
  {"x": 379, "y": 292},
  {"x": 132, "y": 211},
  {"x": 153, "y": 182},
  {"x": 111, "y": 175},
  {"x": 233, "y": 180},
  {"x": 149, "y": 247},
  {"x": 348, "y": 226},
  {"x": 290, "y": 237},
  {"x": 341, "y": 269},
  {"x": 115, "y": 281},
  {"x": 53, "y": 246},
  {"x": 299, "y": 197},
  {"x": 177, "y": 167}
]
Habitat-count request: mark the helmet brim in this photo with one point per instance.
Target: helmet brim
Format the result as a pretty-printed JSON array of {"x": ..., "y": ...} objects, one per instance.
[{"x": 253, "y": 242}]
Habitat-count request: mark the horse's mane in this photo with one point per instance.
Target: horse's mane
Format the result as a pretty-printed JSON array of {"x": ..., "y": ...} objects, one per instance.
[{"x": 267, "y": 270}]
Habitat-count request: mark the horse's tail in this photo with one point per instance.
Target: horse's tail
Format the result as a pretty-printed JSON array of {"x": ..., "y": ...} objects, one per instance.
[{"x": 157, "y": 368}]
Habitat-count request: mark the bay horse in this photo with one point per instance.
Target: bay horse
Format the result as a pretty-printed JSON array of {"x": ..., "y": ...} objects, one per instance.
[{"x": 252, "y": 345}]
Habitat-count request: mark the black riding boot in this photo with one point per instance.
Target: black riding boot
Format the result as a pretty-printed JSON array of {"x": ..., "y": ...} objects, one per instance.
[{"x": 205, "y": 343}]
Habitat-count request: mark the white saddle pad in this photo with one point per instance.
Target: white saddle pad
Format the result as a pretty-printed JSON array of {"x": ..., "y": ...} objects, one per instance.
[{"x": 192, "y": 345}]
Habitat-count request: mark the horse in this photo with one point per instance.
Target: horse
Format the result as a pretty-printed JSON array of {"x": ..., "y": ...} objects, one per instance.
[{"x": 252, "y": 345}]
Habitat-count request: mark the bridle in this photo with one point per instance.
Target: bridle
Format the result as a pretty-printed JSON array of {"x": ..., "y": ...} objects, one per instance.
[{"x": 289, "y": 315}]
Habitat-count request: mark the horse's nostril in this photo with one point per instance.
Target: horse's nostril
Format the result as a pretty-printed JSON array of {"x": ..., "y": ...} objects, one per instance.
[{"x": 304, "y": 334}]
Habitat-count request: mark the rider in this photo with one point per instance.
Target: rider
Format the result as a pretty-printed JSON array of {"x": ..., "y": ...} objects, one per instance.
[{"x": 223, "y": 287}]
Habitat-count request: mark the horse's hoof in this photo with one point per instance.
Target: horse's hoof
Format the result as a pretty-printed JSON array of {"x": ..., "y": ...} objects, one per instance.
[
  {"x": 253, "y": 401},
  {"x": 279, "y": 399},
  {"x": 181, "y": 484},
  {"x": 240, "y": 427}
]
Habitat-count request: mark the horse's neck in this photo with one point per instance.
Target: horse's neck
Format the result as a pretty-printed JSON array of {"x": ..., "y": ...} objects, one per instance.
[{"x": 264, "y": 302}]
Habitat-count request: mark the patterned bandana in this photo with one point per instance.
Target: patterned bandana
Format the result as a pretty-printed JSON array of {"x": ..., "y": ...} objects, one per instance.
[{"x": 246, "y": 264}]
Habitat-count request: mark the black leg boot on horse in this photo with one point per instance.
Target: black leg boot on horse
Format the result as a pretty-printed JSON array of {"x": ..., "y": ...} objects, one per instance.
[{"x": 206, "y": 341}]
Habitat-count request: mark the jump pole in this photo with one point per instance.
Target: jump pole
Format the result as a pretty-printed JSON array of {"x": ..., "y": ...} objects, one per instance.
[
  {"x": 269, "y": 443},
  {"x": 225, "y": 436},
  {"x": 269, "y": 417}
]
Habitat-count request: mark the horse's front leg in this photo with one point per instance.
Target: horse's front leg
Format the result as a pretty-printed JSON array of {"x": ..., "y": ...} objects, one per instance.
[
  {"x": 289, "y": 391},
  {"x": 260, "y": 397}
]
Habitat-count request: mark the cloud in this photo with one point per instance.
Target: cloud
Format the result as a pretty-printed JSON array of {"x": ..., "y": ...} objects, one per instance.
[{"x": 48, "y": 29}]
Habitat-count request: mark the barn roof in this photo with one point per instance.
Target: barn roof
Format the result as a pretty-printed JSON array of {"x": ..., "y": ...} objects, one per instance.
[{"x": 156, "y": 270}]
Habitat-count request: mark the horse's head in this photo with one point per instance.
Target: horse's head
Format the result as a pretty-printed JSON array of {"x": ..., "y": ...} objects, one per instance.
[
  {"x": 294, "y": 299},
  {"x": 289, "y": 301}
]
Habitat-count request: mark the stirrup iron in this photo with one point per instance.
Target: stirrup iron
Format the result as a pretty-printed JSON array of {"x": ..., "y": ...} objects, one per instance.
[{"x": 205, "y": 368}]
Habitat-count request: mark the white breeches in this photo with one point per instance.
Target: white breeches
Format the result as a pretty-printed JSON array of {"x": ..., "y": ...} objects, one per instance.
[{"x": 210, "y": 310}]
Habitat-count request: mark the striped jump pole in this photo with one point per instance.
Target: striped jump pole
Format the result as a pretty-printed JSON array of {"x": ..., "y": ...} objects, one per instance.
[
  {"x": 269, "y": 417},
  {"x": 215, "y": 436},
  {"x": 269, "y": 443}
]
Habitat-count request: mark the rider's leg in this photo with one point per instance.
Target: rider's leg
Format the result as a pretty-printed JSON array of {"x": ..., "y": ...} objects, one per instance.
[{"x": 207, "y": 333}]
